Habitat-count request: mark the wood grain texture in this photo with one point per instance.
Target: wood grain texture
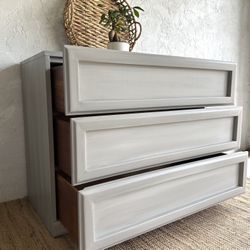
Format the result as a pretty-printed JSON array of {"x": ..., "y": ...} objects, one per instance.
[
  {"x": 105, "y": 146},
  {"x": 224, "y": 226},
  {"x": 101, "y": 81},
  {"x": 57, "y": 89},
  {"x": 67, "y": 200},
  {"x": 139, "y": 140},
  {"x": 113, "y": 212}
]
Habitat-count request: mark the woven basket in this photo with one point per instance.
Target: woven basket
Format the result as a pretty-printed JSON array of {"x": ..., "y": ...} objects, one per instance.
[{"x": 81, "y": 21}]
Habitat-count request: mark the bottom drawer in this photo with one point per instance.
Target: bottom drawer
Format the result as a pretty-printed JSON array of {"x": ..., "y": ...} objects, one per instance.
[{"x": 115, "y": 211}]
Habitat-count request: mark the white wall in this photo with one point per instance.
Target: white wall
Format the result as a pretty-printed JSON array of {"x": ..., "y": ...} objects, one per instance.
[
  {"x": 213, "y": 29},
  {"x": 27, "y": 27}
]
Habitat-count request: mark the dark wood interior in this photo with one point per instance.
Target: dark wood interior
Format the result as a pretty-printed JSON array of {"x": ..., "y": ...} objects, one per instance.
[
  {"x": 67, "y": 200},
  {"x": 58, "y": 89},
  {"x": 62, "y": 145},
  {"x": 66, "y": 194}
]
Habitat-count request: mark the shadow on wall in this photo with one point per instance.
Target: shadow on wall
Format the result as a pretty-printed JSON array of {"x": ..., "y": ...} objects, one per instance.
[
  {"x": 12, "y": 165},
  {"x": 27, "y": 28}
]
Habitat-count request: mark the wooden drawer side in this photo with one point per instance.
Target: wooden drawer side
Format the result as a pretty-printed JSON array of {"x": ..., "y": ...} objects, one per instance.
[
  {"x": 62, "y": 145},
  {"x": 67, "y": 211}
]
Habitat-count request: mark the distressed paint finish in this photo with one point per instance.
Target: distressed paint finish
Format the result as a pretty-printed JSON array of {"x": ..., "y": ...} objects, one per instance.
[
  {"x": 158, "y": 82},
  {"x": 212, "y": 29},
  {"x": 149, "y": 139},
  {"x": 122, "y": 209}
]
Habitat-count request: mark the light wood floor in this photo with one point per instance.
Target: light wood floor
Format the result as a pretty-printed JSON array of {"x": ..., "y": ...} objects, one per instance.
[
  {"x": 20, "y": 228},
  {"x": 223, "y": 227}
]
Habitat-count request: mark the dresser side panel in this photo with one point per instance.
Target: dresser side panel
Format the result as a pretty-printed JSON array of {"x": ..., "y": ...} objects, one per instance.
[{"x": 39, "y": 140}]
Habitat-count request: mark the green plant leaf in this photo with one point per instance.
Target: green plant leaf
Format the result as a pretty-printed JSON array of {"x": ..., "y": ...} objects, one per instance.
[
  {"x": 137, "y": 14},
  {"x": 124, "y": 29},
  {"x": 138, "y": 8},
  {"x": 118, "y": 20}
]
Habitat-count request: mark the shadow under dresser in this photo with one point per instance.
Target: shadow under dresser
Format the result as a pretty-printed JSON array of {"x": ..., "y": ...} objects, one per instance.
[{"x": 119, "y": 143}]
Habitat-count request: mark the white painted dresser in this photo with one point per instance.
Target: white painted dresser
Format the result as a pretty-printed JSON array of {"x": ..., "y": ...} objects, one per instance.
[{"x": 118, "y": 143}]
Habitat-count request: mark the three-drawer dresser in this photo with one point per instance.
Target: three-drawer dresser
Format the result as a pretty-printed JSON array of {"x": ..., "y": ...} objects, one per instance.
[{"x": 119, "y": 143}]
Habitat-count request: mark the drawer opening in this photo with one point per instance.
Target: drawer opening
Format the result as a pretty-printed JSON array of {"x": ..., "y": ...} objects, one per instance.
[
  {"x": 74, "y": 202},
  {"x": 121, "y": 176},
  {"x": 53, "y": 65},
  {"x": 66, "y": 200}
]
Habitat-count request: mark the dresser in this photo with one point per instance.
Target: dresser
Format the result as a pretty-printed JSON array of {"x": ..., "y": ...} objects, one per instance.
[{"x": 119, "y": 143}]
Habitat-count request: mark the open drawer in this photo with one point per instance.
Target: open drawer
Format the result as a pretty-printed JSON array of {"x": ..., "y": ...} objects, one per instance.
[
  {"x": 104, "y": 81},
  {"x": 91, "y": 148},
  {"x": 105, "y": 214}
]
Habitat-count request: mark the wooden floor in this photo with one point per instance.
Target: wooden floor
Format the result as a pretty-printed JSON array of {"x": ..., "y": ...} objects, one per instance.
[
  {"x": 225, "y": 226},
  {"x": 20, "y": 228}
]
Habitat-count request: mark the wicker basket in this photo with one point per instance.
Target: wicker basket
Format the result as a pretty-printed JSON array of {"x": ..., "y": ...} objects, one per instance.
[{"x": 81, "y": 21}]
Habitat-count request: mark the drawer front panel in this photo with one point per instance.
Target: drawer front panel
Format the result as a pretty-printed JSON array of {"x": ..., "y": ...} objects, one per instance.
[
  {"x": 101, "y": 80},
  {"x": 107, "y": 145},
  {"x": 116, "y": 211}
]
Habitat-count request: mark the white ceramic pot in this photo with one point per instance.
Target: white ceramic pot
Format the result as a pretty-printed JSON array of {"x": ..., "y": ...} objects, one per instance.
[{"x": 122, "y": 46}]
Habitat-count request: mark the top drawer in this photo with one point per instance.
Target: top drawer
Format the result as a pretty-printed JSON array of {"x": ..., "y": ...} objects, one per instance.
[{"x": 103, "y": 81}]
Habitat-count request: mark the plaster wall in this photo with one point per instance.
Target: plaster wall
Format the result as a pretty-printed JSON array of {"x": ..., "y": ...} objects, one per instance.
[{"x": 211, "y": 29}]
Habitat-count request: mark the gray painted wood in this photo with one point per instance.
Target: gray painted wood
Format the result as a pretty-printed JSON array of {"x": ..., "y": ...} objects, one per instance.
[
  {"x": 119, "y": 210},
  {"x": 36, "y": 88},
  {"x": 98, "y": 80},
  {"x": 103, "y": 146}
]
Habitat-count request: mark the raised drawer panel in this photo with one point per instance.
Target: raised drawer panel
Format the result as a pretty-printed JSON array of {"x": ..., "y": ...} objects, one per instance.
[
  {"x": 107, "y": 145},
  {"x": 116, "y": 211},
  {"x": 99, "y": 80}
]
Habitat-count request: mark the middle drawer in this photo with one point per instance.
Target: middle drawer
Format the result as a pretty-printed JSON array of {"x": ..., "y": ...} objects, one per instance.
[{"x": 91, "y": 148}]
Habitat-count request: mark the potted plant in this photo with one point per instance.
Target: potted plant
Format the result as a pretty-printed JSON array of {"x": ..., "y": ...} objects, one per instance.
[{"x": 117, "y": 21}]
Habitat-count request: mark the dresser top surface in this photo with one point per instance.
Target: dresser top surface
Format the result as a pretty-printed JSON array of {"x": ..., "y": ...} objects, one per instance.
[
  {"x": 55, "y": 54},
  {"x": 59, "y": 54}
]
